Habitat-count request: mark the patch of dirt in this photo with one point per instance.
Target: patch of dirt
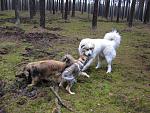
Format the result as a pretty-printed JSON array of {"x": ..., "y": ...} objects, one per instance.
[
  {"x": 37, "y": 53},
  {"x": 147, "y": 67},
  {"x": 11, "y": 32},
  {"x": 146, "y": 45},
  {"x": 4, "y": 51},
  {"x": 54, "y": 29},
  {"x": 2, "y": 85}
]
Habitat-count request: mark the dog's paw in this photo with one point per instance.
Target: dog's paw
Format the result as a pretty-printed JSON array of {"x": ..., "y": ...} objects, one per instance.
[
  {"x": 84, "y": 74},
  {"x": 72, "y": 93},
  {"x": 108, "y": 72},
  {"x": 97, "y": 67}
]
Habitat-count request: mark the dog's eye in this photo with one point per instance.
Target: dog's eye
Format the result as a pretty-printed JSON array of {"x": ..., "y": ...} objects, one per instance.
[
  {"x": 91, "y": 48},
  {"x": 87, "y": 49}
]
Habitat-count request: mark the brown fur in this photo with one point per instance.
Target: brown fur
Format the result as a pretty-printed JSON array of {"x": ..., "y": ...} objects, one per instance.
[{"x": 47, "y": 68}]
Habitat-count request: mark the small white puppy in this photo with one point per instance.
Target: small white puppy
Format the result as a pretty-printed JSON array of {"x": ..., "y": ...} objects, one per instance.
[{"x": 100, "y": 48}]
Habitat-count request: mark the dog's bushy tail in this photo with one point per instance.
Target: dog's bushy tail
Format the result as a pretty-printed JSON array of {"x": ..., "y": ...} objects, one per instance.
[{"x": 113, "y": 36}]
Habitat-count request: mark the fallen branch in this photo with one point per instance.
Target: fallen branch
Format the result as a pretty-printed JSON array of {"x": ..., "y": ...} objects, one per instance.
[{"x": 59, "y": 99}]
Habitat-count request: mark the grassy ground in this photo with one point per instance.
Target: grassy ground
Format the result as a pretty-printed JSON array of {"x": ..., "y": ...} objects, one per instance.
[{"x": 125, "y": 90}]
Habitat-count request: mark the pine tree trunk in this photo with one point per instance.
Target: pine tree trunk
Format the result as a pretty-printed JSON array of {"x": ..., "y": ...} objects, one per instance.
[
  {"x": 132, "y": 13},
  {"x": 73, "y": 8},
  {"x": 17, "y": 17},
  {"x": 69, "y": 7},
  {"x": 62, "y": 8},
  {"x": 141, "y": 3},
  {"x": 85, "y": 6},
  {"x": 147, "y": 12},
  {"x": 82, "y": 7},
  {"x": 107, "y": 2},
  {"x": 126, "y": 11},
  {"x": 118, "y": 12},
  {"x": 89, "y": 10},
  {"x": 80, "y": 4},
  {"x": 42, "y": 13},
  {"x": 66, "y": 10},
  {"x": 2, "y": 5},
  {"x": 32, "y": 8},
  {"x": 112, "y": 13},
  {"x": 94, "y": 20},
  {"x": 123, "y": 9},
  {"x": 53, "y": 7}
]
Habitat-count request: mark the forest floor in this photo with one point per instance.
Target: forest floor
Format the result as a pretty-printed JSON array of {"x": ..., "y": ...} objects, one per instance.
[{"x": 125, "y": 90}]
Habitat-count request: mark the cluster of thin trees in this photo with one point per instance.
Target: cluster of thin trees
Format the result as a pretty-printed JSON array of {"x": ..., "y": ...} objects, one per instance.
[{"x": 112, "y": 10}]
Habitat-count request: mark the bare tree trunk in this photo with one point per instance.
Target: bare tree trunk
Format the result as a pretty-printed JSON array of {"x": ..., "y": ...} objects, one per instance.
[
  {"x": 2, "y": 5},
  {"x": 118, "y": 12},
  {"x": 17, "y": 17},
  {"x": 141, "y": 3},
  {"x": 53, "y": 7},
  {"x": 62, "y": 8},
  {"x": 89, "y": 10},
  {"x": 66, "y": 10},
  {"x": 42, "y": 13},
  {"x": 112, "y": 13},
  {"x": 73, "y": 8},
  {"x": 107, "y": 2},
  {"x": 94, "y": 20},
  {"x": 32, "y": 8},
  {"x": 69, "y": 7},
  {"x": 132, "y": 13},
  {"x": 123, "y": 9},
  {"x": 147, "y": 12},
  {"x": 56, "y": 6},
  {"x": 82, "y": 7},
  {"x": 126, "y": 11},
  {"x": 85, "y": 6},
  {"x": 80, "y": 4}
]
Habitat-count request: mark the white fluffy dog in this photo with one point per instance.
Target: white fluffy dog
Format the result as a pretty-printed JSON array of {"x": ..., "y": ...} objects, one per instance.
[{"x": 100, "y": 48}]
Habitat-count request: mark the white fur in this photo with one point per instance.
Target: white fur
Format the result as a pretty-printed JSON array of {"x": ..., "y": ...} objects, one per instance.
[{"x": 102, "y": 48}]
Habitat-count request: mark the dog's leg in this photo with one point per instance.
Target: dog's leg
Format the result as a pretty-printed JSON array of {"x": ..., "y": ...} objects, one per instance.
[
  {"x": 84, "y": 74},
  {"x": 98, "y": 62},
  {"x": 68, "y": 88},
  {"x": 88, "y": 64},
  {"x": 34, "y": 81},
  {"x": 109, "y": 60},
  {"x": 61, "y": 83}
]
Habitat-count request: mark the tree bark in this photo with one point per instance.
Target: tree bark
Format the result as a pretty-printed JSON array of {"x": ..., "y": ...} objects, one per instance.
[
  {"x": 147, "y": 12},
  {"x": 141, "y": 3},
  {"x": 53, "y": 7},
  {"x": 107, "y": 2},
  {"x": 80, "y": 4},
  {"x": 17, "y": 17},
  {"x": 94, "y": 20},
  {"x": 66, "y": 10},
  {"x": 85, "y": 6},
  {"x": 123, "y": 9},
  {"x": 118, "y": 12},
  {"x": 32, "y": 8},
  {"x": 126, "y": 11},
  {"x": 62, "y": 8},
  {"x": 42, "y": 13},
  {"x": 2, "y": 5},
  {"x": 73, "y": 8},
  {"x": 132, "y": 13}
]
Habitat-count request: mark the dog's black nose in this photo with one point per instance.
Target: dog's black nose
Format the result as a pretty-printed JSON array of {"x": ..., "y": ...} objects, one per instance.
[{"x": 89, "y": 54}]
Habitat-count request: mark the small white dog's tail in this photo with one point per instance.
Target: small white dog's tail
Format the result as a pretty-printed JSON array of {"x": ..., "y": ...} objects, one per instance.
[{"x": 113, "y": 36}]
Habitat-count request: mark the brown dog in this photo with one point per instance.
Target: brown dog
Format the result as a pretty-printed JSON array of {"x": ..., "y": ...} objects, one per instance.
[{"x": 39, "y": 70}]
